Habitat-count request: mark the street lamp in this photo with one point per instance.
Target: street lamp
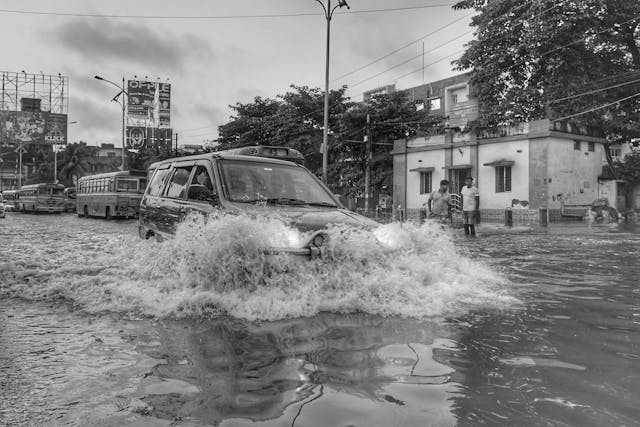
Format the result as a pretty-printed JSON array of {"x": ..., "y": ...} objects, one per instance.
[
  {"x": 123, "y": 104},
  {"x": 328, "y": 13}
]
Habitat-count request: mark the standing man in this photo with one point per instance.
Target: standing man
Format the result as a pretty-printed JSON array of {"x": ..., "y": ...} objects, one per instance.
[
  {"x": 470, "y": 205},
  {"x": 439, "y": 202}
]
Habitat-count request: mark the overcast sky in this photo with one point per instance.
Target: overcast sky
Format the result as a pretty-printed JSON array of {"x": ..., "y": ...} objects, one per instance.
[{"x": 218, "y": 53}]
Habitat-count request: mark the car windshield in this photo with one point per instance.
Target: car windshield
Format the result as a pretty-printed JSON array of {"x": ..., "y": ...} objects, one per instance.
[{"x": 249, "y": 182}]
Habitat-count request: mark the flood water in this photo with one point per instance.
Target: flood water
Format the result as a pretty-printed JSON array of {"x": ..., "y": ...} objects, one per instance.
[{"x": 408, "y": 327}]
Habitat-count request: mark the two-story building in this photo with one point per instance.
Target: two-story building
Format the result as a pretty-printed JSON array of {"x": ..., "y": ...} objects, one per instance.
[{"x": 544, "y": 166}]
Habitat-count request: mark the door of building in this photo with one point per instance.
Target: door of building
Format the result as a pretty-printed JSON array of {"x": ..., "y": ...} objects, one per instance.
[{"x": 457, "y": 178}]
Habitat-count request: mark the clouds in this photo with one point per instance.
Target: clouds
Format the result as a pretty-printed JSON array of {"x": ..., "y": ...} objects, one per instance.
[{"x": 130, "y": 42}]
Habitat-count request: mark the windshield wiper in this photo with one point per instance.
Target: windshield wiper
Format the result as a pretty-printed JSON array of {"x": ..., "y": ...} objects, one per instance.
[
  {"x": 285, "y": 201},
  {"x": 325, "y": 204}
]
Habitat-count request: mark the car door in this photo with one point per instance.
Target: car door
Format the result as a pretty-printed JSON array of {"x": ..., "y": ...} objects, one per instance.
[
  {"x": 150, "y": 204},
  {"x": 203, "y": 192},
  {"x": 174, "y": 204}
]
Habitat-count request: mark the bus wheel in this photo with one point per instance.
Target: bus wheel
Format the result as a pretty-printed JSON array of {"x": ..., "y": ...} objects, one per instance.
[
  {"x": 107, "y": 213},
  {"x": 86, "y": 212}
]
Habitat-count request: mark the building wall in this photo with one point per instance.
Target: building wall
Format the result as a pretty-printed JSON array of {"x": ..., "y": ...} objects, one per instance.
[
  {"x": 572, "y": 174},
  {"x": 435, "y": 159},
  {"x": 517, "y": 151}
]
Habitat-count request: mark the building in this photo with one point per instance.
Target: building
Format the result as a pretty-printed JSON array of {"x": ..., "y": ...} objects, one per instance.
[{"x": 553, "y": 168}]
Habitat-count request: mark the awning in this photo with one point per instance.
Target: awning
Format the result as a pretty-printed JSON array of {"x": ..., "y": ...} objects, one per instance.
[
  {"x": 501, "y": 162},
  {"x": 422, "y": 170},
  {"x": 457, "y": 167}
]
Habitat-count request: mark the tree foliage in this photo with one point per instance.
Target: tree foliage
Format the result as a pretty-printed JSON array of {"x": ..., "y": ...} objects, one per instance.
[
  {"x": 557, "y": 59},
  {"x": 296, "y": 120}
]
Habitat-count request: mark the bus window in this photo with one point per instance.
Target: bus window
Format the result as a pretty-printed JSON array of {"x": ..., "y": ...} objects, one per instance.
[{"x": 128, "y": 185}]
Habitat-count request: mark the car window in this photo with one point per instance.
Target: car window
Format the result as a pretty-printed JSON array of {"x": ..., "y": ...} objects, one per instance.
[
  {"x": 202, "y": 187},
  {"x": 177, "y": 187},
  {"x": 157, "y": 183}
]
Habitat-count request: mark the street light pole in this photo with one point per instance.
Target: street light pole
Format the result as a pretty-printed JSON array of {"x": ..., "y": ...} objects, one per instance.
[
  {"x": 123, "y": 104},
  {"x": 328, "y": 13}
]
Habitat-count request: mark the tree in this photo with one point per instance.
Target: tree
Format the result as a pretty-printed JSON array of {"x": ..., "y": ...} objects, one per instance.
[
  {"x": 294, "y": 119},
  {"x": 72, "y": 163},
  {"x": 557, "y": 59},
  {"x": 391, "y": 117}
]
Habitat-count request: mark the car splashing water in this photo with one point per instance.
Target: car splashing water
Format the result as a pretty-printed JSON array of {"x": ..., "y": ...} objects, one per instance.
[{"x": 218, "y": 267}]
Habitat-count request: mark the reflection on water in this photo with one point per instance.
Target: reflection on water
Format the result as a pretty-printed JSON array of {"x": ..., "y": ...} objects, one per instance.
[
  {"x": 300, "y": 372},
  {"x": 560, "y": 345}
]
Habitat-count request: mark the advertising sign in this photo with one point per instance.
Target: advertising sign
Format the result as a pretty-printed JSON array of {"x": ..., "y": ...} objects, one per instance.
[
  {"x": 32, "y": 127},
  {"x": 56, "y": 129},
  {"x": 164, "y": 98},
  {"x": 140, "y": 99},
  {"x": 149, "y": 104},
  {"x": 136, "y": 137},
  {"x": 140, "y": 137}
]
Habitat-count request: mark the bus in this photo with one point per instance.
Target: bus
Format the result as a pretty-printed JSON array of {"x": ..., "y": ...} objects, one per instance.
[
  {"x": 112, "y": 194},
  {"x": 10, "y": 200},
  {"x": 44, "y": 197}
]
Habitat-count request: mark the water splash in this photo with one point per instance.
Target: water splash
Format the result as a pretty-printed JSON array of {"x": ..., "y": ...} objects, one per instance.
[{"x": 217, "y": 266}]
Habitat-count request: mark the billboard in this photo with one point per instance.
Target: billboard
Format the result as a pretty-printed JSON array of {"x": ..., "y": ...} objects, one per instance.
[
  {"x": 32, "y": 127},
  {"x": 148, "y": 137},
  {"x": 148, "y": 104}
]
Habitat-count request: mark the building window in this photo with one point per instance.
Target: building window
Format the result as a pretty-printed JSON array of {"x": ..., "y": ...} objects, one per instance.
[
  {"x": 425, "y": 182},
  {"x": 615, "y": 152},
  {"x": 592, "y": 146},
  {"x": 111, "y": 154},
  {"x": 434, "y": 104},
  {"x": 576, "y": 145},
  {"x": 454, "y": 98},
  {"x": 503, "y": 179}
]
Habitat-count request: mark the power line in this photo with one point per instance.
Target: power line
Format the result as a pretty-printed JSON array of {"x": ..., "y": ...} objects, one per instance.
[
  {"x": 594, "y": 91},
  {"x": 206, "y": 17},
  {"x": 597, "y": 108},
  {"x": 403, "y": 47}
]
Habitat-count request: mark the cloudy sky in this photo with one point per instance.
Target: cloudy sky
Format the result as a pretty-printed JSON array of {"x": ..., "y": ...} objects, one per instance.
[{"x": 218, "y": 53}]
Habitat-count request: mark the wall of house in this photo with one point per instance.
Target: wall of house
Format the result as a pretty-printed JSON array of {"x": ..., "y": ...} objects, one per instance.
[
  {"x": 518, "y": 151},
  {"x": 572, "y": 174},
  {"x": 423, "y": 159}
]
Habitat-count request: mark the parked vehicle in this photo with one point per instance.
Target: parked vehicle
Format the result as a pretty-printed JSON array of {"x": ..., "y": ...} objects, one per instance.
[
  {"x": 10, "y": 200},
  {"x": 2, "y": 214},
  {"x": 112, "y": 194},
  {"x": 236, "y": 184},
  {"x": 43, "y": 197}
]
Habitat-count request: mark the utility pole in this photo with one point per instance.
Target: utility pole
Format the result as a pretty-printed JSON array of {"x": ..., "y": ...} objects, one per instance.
[{"x": 367, "y": 163}]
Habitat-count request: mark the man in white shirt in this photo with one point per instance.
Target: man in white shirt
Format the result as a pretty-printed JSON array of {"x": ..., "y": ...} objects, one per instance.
[{"x": 470, "y": 205}]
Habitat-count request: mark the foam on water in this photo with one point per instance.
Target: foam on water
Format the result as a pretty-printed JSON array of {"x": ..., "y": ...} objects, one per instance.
[{"x": 218, "y": 267}]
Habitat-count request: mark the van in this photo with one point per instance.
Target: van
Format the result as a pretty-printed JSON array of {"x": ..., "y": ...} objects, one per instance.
[{"x": 234, "y": 183}]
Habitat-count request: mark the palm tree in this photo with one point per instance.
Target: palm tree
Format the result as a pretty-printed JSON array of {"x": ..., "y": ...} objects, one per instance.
[{"x": 73, "y": 163}]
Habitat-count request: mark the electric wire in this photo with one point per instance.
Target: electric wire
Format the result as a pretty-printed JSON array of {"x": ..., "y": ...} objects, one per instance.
[
  {"x": 208, "y": 17},
  {"x": 403, "y": 47}
]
